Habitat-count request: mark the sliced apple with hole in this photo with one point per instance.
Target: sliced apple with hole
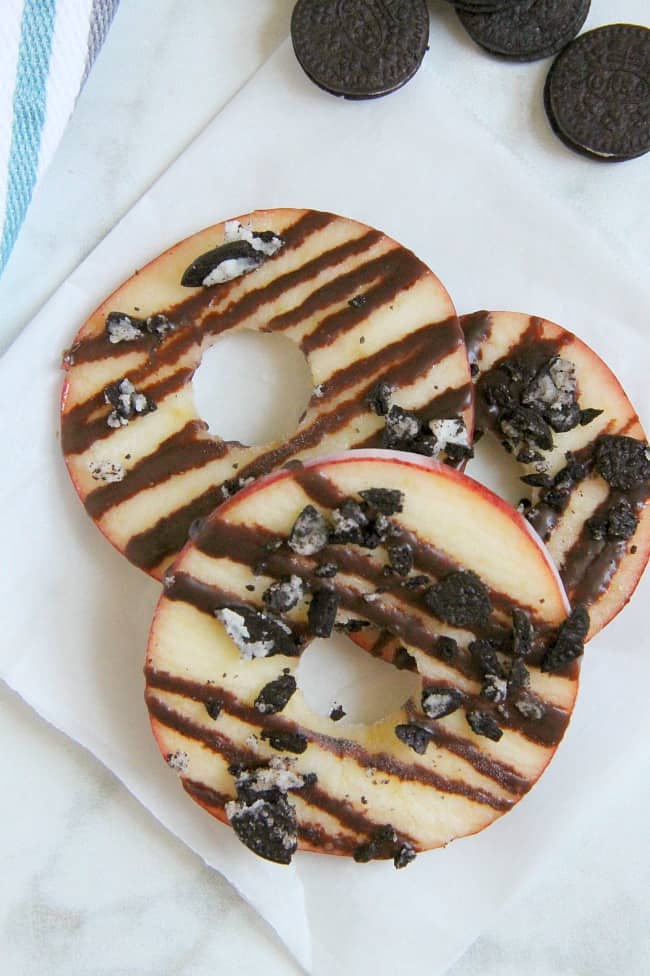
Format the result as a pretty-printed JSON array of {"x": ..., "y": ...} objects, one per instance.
[
  {"x": 375, "y": 327},
  {"x": 364, "y": 540},
  {"x": 550, "y": 400}
]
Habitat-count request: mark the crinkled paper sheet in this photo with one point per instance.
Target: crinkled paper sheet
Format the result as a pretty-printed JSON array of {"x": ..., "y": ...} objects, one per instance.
[{"x": 76, "y": 614}]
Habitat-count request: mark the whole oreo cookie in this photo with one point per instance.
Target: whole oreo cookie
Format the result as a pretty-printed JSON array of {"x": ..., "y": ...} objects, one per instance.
[
  {"x": 528, "y": 29},
  {"x": 597, "y": 93},
  {"x": 360, "y": 48}
]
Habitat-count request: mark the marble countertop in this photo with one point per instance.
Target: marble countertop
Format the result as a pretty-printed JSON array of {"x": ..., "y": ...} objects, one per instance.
[{"x": 91, "y": 883}]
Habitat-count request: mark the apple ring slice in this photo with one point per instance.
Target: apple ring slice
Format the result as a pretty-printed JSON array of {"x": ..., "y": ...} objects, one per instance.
[
  {"x": 559, "y": 409},
  {"x": 377, "y": 328},
  {"x": 376, "y": 539}
]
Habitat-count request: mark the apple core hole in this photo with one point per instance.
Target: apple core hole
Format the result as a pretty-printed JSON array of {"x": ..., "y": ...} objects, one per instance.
[
  {"x": 334, "y": 671},
  {"x": 497, "y": 470},
  {"x": 252, "y": 387}
]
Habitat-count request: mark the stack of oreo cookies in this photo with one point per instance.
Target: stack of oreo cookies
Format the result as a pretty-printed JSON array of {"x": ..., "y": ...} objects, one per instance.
[{"x": 597, "y": 94}]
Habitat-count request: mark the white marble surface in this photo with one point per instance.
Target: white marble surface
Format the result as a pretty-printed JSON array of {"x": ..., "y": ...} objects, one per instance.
[{"x": 93, "y": 885}]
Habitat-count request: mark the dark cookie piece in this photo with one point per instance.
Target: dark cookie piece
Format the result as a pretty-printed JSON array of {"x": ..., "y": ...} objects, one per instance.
[
  {"x": 349, "y": 521},
  {"x": 445, "y": 648},
  {"x": 213, "y": 707},
  {"x": 387, "y": 501},
  {"x": 460, "y": 598},
  {"x": 403, "y": 428},
  {"x": 285, "y": 741},
  {"x": 597, "y": 93},
  {"x": 268, "y": 828},
  {"x": 485, "y": 658},
  {"x": 379, "y": 399},
  {"x": 413, "y": 736},
  {"x": 257, "y": 634},
  {"x": 482, "y": 723},
  {"x": 327, "y": 570},
  {"x": 570, "y": 641},
  {"x": 127, "y": 403},
  {"x": 404, "y": 661},
  {"x": 337, "y": 713},
  {"x": 530, "y": 707},
  {"x": 438, "y": 702},
  {"x": 518, "y": 677},
  {"x": 322, "y": 612},
  {"x": 617, "y": 522},
  {"x": 383, "y": 845},
  {"x": 309, "y": 533},
  {"x": 494, "y": 688},
  {"x": 274, "y": 696},
  {"x": 284, "y": 595},
  {"x": 360, "y": 48},
  {"x": 523, "y": 424},
  {"x": 401, "y": 558},
  {"x": 525, "y": 30},
  {"x": 231, "y": 259},
  {"x": 586, "y": 416},
  {"x": 522, "y": 632},
  {"x": 622, "y": 461}
]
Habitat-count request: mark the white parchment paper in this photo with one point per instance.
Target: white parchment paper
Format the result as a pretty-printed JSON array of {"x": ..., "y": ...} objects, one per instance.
[{"x": 76, "y": 614}]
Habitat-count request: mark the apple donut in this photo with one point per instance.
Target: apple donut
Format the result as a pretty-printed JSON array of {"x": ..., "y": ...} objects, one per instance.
[
  {"x": 376, "y": 326},
  {"x": 382, "y": 540},
  {"x": 555, "y": 405}
]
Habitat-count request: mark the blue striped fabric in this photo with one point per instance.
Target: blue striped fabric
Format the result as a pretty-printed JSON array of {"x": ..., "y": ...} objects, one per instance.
[{"x": 37, "y": 92}]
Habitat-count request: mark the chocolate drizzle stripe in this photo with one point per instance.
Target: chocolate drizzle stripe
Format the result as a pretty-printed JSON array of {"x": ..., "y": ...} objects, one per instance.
[
  {"x": 182, "y": 452},
  {"x": 589, "y": 565},
  {"x": 345, "y": 748},
  {"x": 78, "y": 433},
  {"x": 477, "y": 329},
  {"x": 401, "y": 271}
]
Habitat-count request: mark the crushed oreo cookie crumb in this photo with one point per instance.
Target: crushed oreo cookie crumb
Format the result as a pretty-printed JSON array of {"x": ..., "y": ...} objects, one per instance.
[
  {"x": 618, "y": 522},
  {"x": 570, "y": 641},
  {"x": 309, "y": 533},
  {"x": 284, "y": 595},
  {"x": 384, "y": 845},
  {"x": 530, "y": 707},
  {"x": 586, "y": 416},
  {"x": 459, "y": 598},
  {"x": 401, "y": 558},
  {"x": 275, "y": 695},
  {"x": 285, "y": 741},
  {"x": 268, "y": 828},
  {"x": 522, "y": 632},
  {"x": 379, "y": 399},
  {"x": 213, "y": 707},
  {"x": 349, "y": 521},
  {"x": 242, "y": 251},
  {"x": 482, "y": 723},
  {"x": 484, "y": 657},
  {"x": 358, "y": 301},
  {"x": 257, "y": 634},
  {"x": 440, "y": 701},
  {"x": 178, "y": 761},
  {"x": 352, "y": 625},
  {"x": 622, "y": 461},
  {"x": 127, "y": 403},
  {"x": 518, "y": 676},
  {"x": 413, "y": 736},
  {"x": 387, "y": 501},
  {"x": 107, "y": 471},
  {"x": 337, "y": 713},
  {"x": 326, "y": 571},
  {"x": 416, "y": 582},
  {"x": 494, "y": 688},
  {"x": 404, "y": 661},
  {"x": 403, "y": 427},
  {"x": 322, "y": 612}
]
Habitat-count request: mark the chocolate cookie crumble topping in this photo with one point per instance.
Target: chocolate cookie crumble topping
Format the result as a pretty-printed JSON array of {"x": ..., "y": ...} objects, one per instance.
[
  {"x": 570, "y": 641},
  {"x": 275, "y": 695},
  {"x": 459, "y": 598}
]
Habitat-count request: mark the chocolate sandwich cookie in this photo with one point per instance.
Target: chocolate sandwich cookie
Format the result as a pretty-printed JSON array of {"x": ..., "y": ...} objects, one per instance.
[
  {"x": 597, "y": 93},
  {"x": 360, "y": 48},
  {"x": 526, "y": 30}
]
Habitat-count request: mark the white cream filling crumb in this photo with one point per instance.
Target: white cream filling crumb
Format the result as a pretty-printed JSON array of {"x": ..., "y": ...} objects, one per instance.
[
  {"x": 107, "y": 471},
  {"x": 123, "y": 329},
  {"x": 239, "y": 633},
  {"x": 178, "y": 761},
  {"x": 449, "y": 431},
  {"x": 227, "y": 270},
  {"x": 234, "y": 231}
]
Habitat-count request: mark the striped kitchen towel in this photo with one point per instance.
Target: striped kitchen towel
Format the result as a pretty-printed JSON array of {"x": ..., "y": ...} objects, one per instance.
[{"x": 46, "y": 50}]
